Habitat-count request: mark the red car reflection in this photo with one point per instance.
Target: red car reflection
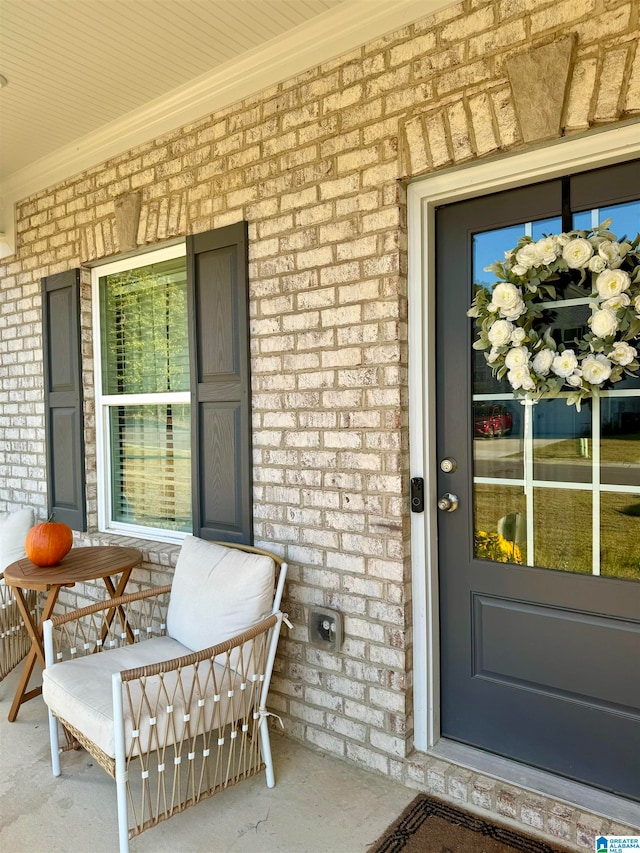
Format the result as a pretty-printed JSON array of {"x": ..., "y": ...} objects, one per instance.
[{"x": 490, "y": 421}]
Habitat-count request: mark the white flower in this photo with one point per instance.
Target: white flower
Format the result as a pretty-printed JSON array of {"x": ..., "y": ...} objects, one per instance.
[
  {"x": 492, "y": 355},
  {"x": 546, "y": 251},
  {"x": 518, "y": 269},
  {"x": 609, "y": 251},
  {"x": 508, "y": 298},
  {"x": 612, "y": 283},
  {"x": 520, "y": 377},
  {"x": 604, "y": 323},
  {"x": 500, "y": 333},
  {"x": 575, "y": 380},
  {"x": 564, "y": 364},
  {"x": 616, "y": 302},
  {"x": 636, "y": 305},
  {"x": 518, "y": 335},
  {"x": 492, "y": 308},
  {"x": 622, "y": 353},
  {"x": 597, "y": 264},
  {"x": 517, "y": 357},
  {"x": 577, "y": 253},
  {"x": 527, "y": 257},
  {"x": 542, "y": 362},
  {"x": 596, "y": 369}
]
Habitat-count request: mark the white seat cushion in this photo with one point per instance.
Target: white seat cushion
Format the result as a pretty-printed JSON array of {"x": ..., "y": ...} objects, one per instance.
[
  {"x": 14, "y": 527},
  {"x": 217, "y": 593},
  {"x": 80, "y": 692}
]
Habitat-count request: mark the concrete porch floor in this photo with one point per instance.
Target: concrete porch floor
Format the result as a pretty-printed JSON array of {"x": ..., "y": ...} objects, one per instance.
[{"x": 318, "y": 804}]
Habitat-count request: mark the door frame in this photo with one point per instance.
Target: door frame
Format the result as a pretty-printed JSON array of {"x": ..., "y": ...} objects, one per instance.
[{"x": 590, "y": 151}]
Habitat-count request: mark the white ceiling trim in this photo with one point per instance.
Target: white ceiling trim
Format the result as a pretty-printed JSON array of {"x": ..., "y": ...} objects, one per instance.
[{"x": 302, "y": 48}]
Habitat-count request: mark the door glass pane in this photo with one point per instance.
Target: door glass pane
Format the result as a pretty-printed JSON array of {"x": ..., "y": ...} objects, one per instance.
[
  {"x": 620, "y": 535},
  {"x": 545, "y": 226},
  {"x": 490, "y": 246},
  {"x": 570, "y": 321},
  {"x": 554, "y": 487},
  {"x": 500, "y": 524},
  {"x": 562, "y": 444},
  {"x": 620, "y": 441},
  {"x": 498, "y": 444},
  {"x": 484, "y": 381},
  {"x": 561, "y": 517},
  {"x": 625, "y": 218}
]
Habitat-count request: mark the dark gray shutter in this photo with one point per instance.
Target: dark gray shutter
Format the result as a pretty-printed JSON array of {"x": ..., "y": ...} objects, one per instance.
[
  {"x": 63, "y": 397},
  {"x": 218, "y": 284}
]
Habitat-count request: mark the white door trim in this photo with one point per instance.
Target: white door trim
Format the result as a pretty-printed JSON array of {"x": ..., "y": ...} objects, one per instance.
[{"x": 577, "y": 154}]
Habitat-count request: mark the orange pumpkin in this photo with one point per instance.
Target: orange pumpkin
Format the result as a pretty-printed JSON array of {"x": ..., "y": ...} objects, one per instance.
[{"x": 47, "y": 543}]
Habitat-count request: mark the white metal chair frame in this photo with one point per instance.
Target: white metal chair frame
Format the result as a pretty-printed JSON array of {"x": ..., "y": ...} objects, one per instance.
[{"x": 220, "y": 693}]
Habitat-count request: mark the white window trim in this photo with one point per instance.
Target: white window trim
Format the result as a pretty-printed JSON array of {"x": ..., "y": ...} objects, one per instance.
[
  {"x": 596, "y": 149},
  {"x": 103, "y": 450}
]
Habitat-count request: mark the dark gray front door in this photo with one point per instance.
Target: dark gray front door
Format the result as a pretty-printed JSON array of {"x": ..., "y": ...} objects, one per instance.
[{"x": 540, "y": 564}]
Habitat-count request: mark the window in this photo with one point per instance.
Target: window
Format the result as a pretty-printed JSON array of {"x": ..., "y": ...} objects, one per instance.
[
  {"x": 143, "y": 411},
  {"x": 173, "y": 392}
]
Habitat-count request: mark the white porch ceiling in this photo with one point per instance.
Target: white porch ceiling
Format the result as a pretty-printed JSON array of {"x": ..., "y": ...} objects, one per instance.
[
  {"x": 88, "y": 79},
  {"x": 76, "y": 65}
]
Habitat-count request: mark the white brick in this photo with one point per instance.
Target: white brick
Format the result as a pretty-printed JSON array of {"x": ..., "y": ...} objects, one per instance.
[
  {"x": 611, "y": 80},
  {"x": 340, "y": 100},
  {"x": 349, "y": 315},
  {"x": 348, "y": 728},
  {"x": 409, "y": 50},
  {"x": 388, "y": 744},
  {"x": 339, "y": 187},
  {"x": 326, "y": 741},
  {"x": 368, "y": 758},
  {"x": 387, "y": 700},
  {"x": 632, "y": 103},
  {"x": 323, "y": 698},
  {"x": 319, "y": 257}
]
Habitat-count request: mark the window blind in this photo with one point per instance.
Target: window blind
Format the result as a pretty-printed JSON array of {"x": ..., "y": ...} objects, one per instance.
[
  {"x": 145, "y": 346},
  {"x": 151, "y": 465},
  {"x": 145, "y": 351}
]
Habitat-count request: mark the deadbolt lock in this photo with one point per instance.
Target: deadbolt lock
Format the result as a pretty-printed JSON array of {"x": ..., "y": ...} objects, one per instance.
[{"x": 448, "y": 465}]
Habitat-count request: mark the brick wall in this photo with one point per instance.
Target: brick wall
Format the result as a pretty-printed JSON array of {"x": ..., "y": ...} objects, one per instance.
[{"x": 314, "y": 164}]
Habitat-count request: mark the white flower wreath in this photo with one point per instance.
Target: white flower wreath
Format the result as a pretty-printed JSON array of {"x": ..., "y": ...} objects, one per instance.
[{"x": 514, "y": 325}]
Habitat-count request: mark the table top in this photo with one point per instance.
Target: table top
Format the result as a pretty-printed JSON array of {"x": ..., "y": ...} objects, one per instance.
[{"x": 80, "y": 564}]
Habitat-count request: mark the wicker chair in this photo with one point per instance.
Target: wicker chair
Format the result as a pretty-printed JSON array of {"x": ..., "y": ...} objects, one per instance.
[
  {"x": 167, "y": 688},
  {"x": 15, "y": 641}
]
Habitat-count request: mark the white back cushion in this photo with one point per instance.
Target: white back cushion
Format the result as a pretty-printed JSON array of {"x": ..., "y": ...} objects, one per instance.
[
  {"x": 217, "y": 593},
  {"x": 14, "y": 527}
]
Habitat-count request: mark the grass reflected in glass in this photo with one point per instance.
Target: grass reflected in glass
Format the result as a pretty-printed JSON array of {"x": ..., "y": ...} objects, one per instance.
[{"x": 620, "y": 535}]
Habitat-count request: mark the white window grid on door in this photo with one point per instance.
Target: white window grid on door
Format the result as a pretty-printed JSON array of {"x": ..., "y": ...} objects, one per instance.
[{"x": 528, "y": 482}]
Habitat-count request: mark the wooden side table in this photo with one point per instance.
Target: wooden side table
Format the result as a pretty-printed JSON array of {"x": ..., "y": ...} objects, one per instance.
[{"x": 80, "y": 564}]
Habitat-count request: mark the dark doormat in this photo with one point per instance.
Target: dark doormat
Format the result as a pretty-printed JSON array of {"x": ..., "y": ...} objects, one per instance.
[{"x": 432, "y": 826}]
